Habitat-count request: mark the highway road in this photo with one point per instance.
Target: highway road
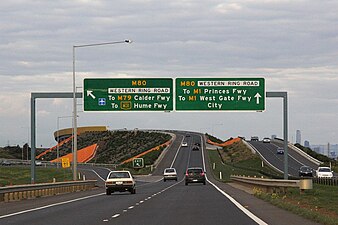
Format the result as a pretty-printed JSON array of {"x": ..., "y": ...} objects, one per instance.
[
  {"x": 269, "y": 152},
  {"x": 155, "y": 202}
]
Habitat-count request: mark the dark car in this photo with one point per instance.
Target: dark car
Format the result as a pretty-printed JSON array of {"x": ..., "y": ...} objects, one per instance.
[
  {"x": 195, "y": 148},
  {"x": 195, "y": 175},
  {"x": 254, "y": 138},
  {"x": 305, "y": 171},
  {"x": 280, "y": 150}
]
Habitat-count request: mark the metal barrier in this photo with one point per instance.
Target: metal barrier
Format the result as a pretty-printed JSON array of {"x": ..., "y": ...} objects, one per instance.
[
  {"x": 326, "y": 181},
  {"x": 266, "y": 185},
  {"x": 20, "y": 192}
]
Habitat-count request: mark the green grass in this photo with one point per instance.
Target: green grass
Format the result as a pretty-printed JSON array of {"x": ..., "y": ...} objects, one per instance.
[
  {"x": 319, "y": 204},
  {"x": 16, "y": 175},
  {"x": 250, "y": 167},
  {"x": 149, "y": 160}
]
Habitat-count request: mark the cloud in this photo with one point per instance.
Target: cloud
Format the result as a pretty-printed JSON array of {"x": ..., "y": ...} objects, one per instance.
[
  {"x": 292, "y": 44},
  {"x": 228, "y": 7}
]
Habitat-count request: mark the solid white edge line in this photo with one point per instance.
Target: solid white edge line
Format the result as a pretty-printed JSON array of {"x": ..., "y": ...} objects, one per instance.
[
  {"x": 242, "y": 208},
  {"x": 179, "y": 149},
  {"x": 239, "y": 206},
  {"x": 98, "y": 175},
  {"x": 49, "y": 206}
]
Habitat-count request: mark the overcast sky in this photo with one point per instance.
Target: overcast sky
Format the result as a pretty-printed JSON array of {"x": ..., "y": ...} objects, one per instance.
[{"x": 293, "y": 44}]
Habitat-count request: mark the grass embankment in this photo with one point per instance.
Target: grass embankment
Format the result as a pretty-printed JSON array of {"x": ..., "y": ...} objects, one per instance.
[
  {"x": 149, "y": 160},
  {"x": 237, "y": 159},
  {"x": 319, "y": 204},
  {"x": 16, "y": 175}
]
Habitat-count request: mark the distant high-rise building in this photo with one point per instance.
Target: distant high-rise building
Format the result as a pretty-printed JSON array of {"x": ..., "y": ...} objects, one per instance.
[
  {"x": 307, "y": 144},
  {"x": 298, "y": 137}
]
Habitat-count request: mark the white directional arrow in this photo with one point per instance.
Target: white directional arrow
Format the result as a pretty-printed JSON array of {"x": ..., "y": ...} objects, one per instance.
[
  {"x": 257, "y": 96},
  {"x": 90, "y": 93}
]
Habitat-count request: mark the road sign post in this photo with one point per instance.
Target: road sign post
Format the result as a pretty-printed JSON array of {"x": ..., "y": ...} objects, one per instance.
[
  {"x": 65, "y": 162},
  {"x": 138, "y": 163},
  {"x": 144, "y": 94},
  {"x": 219, "y": 94}
]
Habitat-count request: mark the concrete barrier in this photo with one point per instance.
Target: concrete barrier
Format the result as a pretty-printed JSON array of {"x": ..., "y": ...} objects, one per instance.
[{"x": 20, "y": 192}]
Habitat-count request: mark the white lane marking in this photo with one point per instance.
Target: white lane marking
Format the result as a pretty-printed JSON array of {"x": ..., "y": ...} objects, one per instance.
[
  {"x": 116, "y": 215},
  {"x": 141, "y": 202},
  {"x": 131, "y": 207},
  {"x": 51, "y": 205},
  {"x": 98, "y": 175},
  {"x": 92, "y": 170},
  {"x": 156, "y": 181},
  {"x": 242, "y": 208},
  {"x": 125, "y": 210},
  {"x": 179, "y": 149},
  {"x": 105, "y": 220},
  {"x": 203, "y": 161}
]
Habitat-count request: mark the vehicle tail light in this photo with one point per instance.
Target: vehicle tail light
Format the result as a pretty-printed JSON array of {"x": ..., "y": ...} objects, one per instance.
[
  {"x": 202, "y": 174},
  {"x": 128, "y": 182},
  {"x": 109, "y": 182},
  {"x": 186, "y": 174}
]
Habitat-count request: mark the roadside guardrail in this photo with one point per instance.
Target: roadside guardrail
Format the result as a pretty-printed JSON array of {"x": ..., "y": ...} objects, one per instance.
[
  {"x": 304, "y": 154},
  {"x": 266, "y": 185},
  {"x": 29, "y": 191},
  {"x": 326, "y": 181}
]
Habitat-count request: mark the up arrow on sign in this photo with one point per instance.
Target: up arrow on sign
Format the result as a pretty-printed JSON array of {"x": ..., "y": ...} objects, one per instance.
[{"x": 257, "y": 96}]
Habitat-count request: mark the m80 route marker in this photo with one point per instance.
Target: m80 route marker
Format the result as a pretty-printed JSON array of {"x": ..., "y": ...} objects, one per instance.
[
  {"x": 145, "y": 94},
  {"x": 219, "y": 94}
]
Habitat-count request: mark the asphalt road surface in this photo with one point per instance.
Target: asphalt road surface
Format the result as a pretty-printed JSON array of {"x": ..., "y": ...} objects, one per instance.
[
  {"x": 295, "y": 160},
  {"x": 155, "y": 201}
]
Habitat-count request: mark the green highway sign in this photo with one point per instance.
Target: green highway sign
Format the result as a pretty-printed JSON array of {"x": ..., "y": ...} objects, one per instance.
[
  {"x": 219, "y": 94},
  {"x": 138, "y": 163},
  {"x": 146, "y": 94}
]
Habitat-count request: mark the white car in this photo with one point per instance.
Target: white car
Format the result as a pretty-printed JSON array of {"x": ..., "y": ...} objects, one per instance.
[
  {"x": 266, "y": 140},
  {"x": 184, "y": 144},
  {"x": 120, "y": 181},
  {"x": 169, "y": 174},
  {"x": 324, "y": 172}
]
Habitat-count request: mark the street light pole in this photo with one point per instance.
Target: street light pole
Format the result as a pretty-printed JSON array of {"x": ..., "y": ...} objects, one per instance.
[{"x": 74, "y": 100}]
